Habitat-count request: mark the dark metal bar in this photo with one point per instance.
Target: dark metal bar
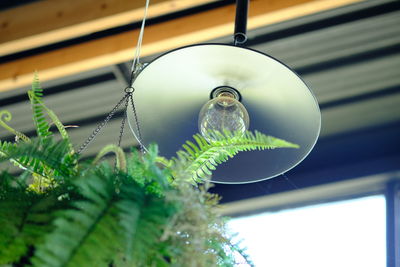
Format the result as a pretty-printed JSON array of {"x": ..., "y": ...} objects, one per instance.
[
  {"x": 393, "y": 224},
  {"x": 242, "y": 7}
]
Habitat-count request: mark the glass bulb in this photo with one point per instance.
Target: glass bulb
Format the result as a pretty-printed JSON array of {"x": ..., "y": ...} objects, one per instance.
[{"x": 223, "y": 113}]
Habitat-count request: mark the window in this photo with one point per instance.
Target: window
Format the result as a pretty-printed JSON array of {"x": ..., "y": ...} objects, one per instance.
[{"x": 344, "y": 233}]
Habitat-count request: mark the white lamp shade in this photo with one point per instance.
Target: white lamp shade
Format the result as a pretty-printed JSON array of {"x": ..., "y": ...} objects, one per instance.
[{"x": 170, "y": 91}]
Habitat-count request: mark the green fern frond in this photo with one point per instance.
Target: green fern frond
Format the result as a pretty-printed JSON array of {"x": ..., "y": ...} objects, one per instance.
[
  {"x": 24, "y": 218},
  {"x": 10, "y": 182},
  {"x": 119, "y": 156},
  {"x": 89, "y": 233},
  {"x": 200, "y": 159},
  {"x": 40, "y": 154},
  {"x": 40, "y": 183},
  {"x": 164, "y": 162},
  {"x": 6, "y": 115},
  {"x": 143, "y": 217},
  {"x": 105, "y": 224},
  {"x": 39, "y": 110},
  {"x": 57, "y": 122},
  {"x": 39, "y": 119},
  {"x": 135, "y": 168},
  {"x": 146, "y": 172}
]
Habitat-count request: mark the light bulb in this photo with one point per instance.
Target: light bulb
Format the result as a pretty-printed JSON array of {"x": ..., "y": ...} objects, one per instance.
[{"x": 223, "y": 113}]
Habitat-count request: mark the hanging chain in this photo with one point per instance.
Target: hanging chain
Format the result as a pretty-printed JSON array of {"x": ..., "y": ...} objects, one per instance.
[
  {"x": 135, "y": 70},
  {"x": 128, "y": 97},
  {"x": 139, "y": 135},
  {"x": 100, "y": 126},
  {"x": 121, "y": 130}
]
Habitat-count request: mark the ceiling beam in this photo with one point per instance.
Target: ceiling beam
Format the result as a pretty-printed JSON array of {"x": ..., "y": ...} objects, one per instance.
[
  {"x": 160, "y": 37},
  {"x": 48, "y": 21}
]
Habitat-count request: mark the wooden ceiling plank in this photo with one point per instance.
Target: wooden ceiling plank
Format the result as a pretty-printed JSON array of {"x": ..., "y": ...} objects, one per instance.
[
  {"x": 49, "y": 21},
  {"x": 158, "y": 38}
]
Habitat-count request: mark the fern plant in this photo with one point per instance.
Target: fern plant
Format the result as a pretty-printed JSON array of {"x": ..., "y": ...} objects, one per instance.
[
  {"x": 198, "y": 160},
  {"x": 39, "y": 119},
  {"x": 146, "y": 211}
]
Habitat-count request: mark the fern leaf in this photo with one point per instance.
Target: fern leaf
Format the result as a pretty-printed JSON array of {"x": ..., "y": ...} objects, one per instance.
[
  {"x": 35, "y": 97},
  {"x": 25, "y": 219},
  {"x": 6, "y": 115},
  {"x": 200, "y": 159},
  {"x": 135, "y": 167},
  {"x": 40, "y": 154},
  {"x": 105, "y": 223},
  {"x": 57, "y": 122},
  {"x": 146, "y": 172},
  {"x": 143, "y": 218},
  {"x": 39, "y": 109},
  {"x": 119, "y": 153},
  {"x": 87, "y": 234},
  {"x": 9, "y": 182}
]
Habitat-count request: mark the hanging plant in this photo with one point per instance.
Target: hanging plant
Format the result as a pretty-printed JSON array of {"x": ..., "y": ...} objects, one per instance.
[{"x": 145, "y": 210}]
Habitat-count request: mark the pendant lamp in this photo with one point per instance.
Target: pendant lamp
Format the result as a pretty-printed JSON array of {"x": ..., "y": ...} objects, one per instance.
[{"x": 196, "y": 88}]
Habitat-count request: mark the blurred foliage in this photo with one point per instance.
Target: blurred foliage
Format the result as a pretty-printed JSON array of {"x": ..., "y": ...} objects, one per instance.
[{"x": 144, "y": 211}]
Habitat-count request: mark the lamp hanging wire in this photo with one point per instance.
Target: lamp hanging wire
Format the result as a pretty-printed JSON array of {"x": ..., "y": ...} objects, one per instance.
[
  {"x": 128, "y": 98},
  {"x": 136, "y": 58},
  {"x": 135, "y": 69}
]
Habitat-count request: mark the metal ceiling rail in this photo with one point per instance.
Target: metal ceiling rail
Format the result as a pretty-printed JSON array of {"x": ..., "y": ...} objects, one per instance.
[
  {"x": 356, "y": 78},
  {"x": 337, "y": 41}
]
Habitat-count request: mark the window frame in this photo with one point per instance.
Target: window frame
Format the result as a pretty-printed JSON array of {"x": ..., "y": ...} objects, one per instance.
[
  {"x": 392, "y": 196},
  {"x": 387, "y": 184}
]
